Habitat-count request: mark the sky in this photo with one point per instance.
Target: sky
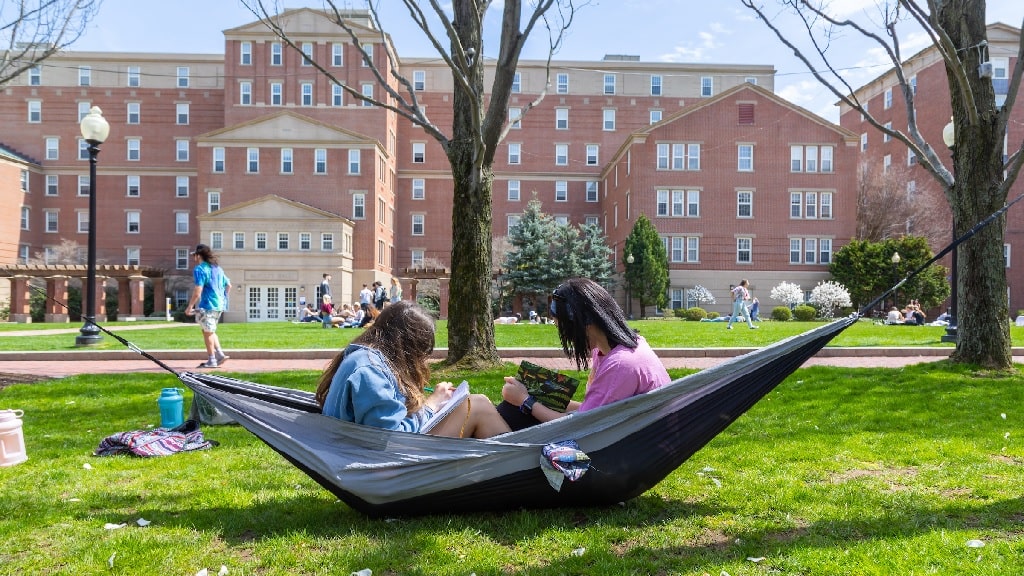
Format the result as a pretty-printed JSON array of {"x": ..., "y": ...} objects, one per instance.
[{"x": 695, "y": 31}]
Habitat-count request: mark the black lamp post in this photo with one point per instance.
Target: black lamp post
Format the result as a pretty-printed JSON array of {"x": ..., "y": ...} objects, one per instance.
[
  {"x": 95, "y": 130},
  {"x": 895, "y": 279},
  {"x": 949, "y": 137},
  {"x": 629, "y": 292}
]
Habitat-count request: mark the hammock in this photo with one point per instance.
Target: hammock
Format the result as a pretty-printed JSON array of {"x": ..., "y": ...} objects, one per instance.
[{"x": 632, "y": 444}]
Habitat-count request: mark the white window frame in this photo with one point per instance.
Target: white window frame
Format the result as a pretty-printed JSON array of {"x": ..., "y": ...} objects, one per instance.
[
  {"x": 419, "y": 187},
  {"x": 593, "y": 154},
  {"x": 181, "y": 187},
  {"x": 133, "y": 222},
  {"x": 656, "y": 85},
  {"x": 561, "y": 154},
  {"x": 320, "y": 160},
  {"x": 561, "y": 118},
  {"x": 337, "y": 54},
  {"x": 218, "y": 160},
  {"x": 562, "y": 83},
  {"x": 284, "y": 241},
  {"x": 133, "y": 186},
  {"x": 609, "y": 85},
  {"x": 133, "y": 113},
  {"x": 354, "y": 161},
  {"x": 245, "y": 93},
  {"x": 745, "y": 203},
  {"x": 306, "y": 91},
  {"x": 181, "y": 222},
  {"x": 561, "y": 191},
  {"x": 744, "y": 246},
  {"x": 252, "y": 163},
  {"x": 183, "y": 77},
  {"x": 52, "y": 185},
  {"x": 419, "y": 226},
  {"x": 287, "y": 161},
  {"x": 359, "y": 206},
  {"x": 513, "y": 191},
  {"x": 419, "y": 152},
  {"x": 245, "y": 53},
  {"x": 515, "y": 151},
  {"x": 134, "y": 149},
  {"x": 745, "y": 162},
  {"x": 181, "y": 150},
  {"x": 608, "y": 119},
  {"x": 707, "y": 86}
]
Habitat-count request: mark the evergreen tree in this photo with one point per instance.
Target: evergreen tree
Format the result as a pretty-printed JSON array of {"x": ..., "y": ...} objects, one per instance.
[
  {"x": 530, "y": 268},
  {"x": 595, "y": 255},
  {"x": 647, "y": 276}
]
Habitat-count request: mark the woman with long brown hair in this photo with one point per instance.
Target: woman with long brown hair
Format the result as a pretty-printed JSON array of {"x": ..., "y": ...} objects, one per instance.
[{"x": 379, "y": 380}]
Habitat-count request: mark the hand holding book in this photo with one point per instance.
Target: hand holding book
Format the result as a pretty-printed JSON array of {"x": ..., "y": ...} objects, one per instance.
[{"x": 551, "y": 388}]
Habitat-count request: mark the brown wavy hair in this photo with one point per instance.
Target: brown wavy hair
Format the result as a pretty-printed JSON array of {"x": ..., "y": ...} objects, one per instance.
[{"x": 404, "y": 334}]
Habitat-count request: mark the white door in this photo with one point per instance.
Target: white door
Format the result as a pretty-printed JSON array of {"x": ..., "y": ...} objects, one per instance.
[{"x": 272, "y": 304}]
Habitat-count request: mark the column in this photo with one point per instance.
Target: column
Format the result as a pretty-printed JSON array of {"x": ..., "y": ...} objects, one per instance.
[
  {"x": 21, "y": 298},
  {"x": 101, "y": 298},
  {"x": 413, "y": 284},
  {"x": 137, "y": 289},
  {"x": 123, "y": 299},
  {"x": 445, "y": 293},
  {"x": 159, "y": 295},
  {"x": 56, "y": 291}
]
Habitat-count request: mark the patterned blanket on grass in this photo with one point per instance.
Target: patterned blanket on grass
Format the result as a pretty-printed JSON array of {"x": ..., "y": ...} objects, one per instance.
[{"x": 156, "y": 442}]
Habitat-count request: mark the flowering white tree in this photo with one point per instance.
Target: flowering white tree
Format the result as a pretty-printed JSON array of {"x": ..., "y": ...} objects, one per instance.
[
  {"x": 789, "y": 293},
  {"x": 702, "y": 295},
  {"x": 828, "y": 296}
]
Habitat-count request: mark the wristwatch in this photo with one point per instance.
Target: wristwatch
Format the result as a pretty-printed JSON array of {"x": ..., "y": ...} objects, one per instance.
[{"x": 527, "y": 406}]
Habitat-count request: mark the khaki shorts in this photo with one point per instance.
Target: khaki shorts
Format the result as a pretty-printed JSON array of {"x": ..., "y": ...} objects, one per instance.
[{"x": 207, "y": 319}]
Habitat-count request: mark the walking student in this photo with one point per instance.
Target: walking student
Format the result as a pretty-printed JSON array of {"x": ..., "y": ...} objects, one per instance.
[
  {"x": 740, "y": 296},
  {"x": 208, "y": 302}
]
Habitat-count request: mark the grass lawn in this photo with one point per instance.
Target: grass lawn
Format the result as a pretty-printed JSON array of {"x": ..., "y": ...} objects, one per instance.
[
  {"x": 838, "y": 471},
  {"x": 659, "y": 333}
]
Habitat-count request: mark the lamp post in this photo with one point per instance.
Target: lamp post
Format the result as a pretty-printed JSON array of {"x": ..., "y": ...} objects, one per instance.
[
  {"x": 895, "y": 279},
  {"x": 629, "y": 292},
  {"x": 95, "y": 130},
  {"x": 949, "y": 138}
]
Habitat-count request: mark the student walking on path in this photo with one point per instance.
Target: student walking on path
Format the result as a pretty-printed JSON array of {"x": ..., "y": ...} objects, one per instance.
[
  {"x": 208, "y": 302},
  {"x": 740, "y": 295}
]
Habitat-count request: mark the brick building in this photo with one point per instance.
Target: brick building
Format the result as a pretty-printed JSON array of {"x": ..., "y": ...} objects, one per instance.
[
  {"x": 258, "y": 154},
  {"x": 926, "y": 75}
]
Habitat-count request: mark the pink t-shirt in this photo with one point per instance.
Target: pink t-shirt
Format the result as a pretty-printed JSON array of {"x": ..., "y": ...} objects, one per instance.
[{"x": 623, "y": 373}]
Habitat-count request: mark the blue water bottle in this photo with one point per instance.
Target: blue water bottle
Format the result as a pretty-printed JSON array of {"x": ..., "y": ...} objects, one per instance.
[{"x": 172, "y": 407}]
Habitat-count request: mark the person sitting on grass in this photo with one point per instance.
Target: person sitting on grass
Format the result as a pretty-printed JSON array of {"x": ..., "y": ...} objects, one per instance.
[{"x": 894, "y": 316}]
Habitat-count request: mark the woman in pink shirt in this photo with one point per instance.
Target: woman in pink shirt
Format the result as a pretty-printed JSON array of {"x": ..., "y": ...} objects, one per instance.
[{"x": 594, "y": 333}]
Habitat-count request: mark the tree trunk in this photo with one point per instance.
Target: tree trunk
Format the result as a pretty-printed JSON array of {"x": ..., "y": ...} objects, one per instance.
[
  {"x": 981, "y": 307},
  {"x": 470, "y": 327}
]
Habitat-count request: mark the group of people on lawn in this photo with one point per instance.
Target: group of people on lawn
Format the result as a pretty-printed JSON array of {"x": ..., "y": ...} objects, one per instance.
[{"x": 911, "y": 315}]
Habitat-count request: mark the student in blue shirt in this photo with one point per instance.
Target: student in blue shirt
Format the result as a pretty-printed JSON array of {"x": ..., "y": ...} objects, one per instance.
[
  {"x": 209, "y": 300},
  {"x": 380, "y": 380}
]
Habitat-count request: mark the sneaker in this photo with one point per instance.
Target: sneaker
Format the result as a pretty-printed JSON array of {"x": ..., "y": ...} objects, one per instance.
[
  {"x": 208, "y": 364},
  {"x": 753, "y": 327},
  {"x": 728, "y": 327},
  {"x": 221, "y": 358}
]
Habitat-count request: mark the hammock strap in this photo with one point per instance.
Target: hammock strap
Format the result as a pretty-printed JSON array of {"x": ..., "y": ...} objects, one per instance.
[{"x": 952, "y": 246}]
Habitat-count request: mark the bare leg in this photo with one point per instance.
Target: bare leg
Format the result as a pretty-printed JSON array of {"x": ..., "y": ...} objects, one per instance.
[{"x": 476, "y": 417}]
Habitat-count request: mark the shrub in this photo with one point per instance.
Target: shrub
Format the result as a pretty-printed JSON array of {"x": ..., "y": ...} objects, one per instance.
[
  {"x": 781, "y": 313},
  {"x": 713, "y": 315},
  {"x": 804, "y": 313},
  {"x": 696, "y": 314},
  {"x": 679, "y": 312}
]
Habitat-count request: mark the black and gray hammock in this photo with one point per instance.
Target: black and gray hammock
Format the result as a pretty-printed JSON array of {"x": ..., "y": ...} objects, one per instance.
[{"x": 631, "y": 444}]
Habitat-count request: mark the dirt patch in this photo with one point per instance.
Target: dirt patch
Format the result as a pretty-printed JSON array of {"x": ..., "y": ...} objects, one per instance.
[{"x": 6, "y": 379}]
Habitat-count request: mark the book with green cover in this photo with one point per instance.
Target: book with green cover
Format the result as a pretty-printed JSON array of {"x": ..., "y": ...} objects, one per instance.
[{"x": 551, "y": 388}]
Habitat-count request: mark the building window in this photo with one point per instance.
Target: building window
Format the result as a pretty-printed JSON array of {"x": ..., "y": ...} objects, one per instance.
[
  {"x": 260, "y": 241},
  {"x": 359, "y": 206},
  {"x": 212, "y": 201},
  {"x": 182, "y": 150},
  {"x": 83, "y": 185},
  {"x": 181, "y": 258},
  {"x": 287, "y": 164},
  {"x": 367, "y": 60},
  {"x": 181, "y": 113},
  {"x": 134, "y": 113},
  {"x": 245, "y": 53},
  {"x": 561, "y": 191},
  {"x": 134, "y": 77},
  {"x": 132, "y": 256},
  {"x": 592, "y": 190},
  {"x": 275, "y": 54},
  {"x": 913, "y": 84},
  {"x": 133, "y": 218},
  {"x": 515, "y": 116},
  {"x": 417, "y": 224},
  {"x": 276, "y": 94},
  {"x": 182, "y": 76},
  {"x": 562, "y": 83},
  {"x": 245, "y": 93},
  {"x": 320, "y": 161},
  {"x": 592, "y": 154},
  {"x": 181, "y": 186},
  {"x": 655, "y": 85},
  {"x": 517, "y": 83},
  {"x": 511, "y": 223},
  {"x": 52, "y": 222},
  {"x": 745, "y": 155},
  {"x": 514, "y": 151},
  {"x": 337, "y": 54},
  {"x": 305, "y": 241},
  {"x": 609, "y": 120},
  {"x": 85, "y": 76},
  {"x": 655, "y": 116},
  {"x": 707, "y": 86},
  {"x": 181, "y": 222},
  {"x": 83, "y": 109},
  {"x": 609, "y": 84},
  {"x": 513, "y": 190},
  {"x": 25, "y": 180},
  {"x": 886, "y": 163},
  {"x": 283, "y": 240},
  {"x": 83, "y": 221},
  {"x": 826, "y": 159},
  {"x": 218, "y": 160},
  {"x": 419, "y": 152},
  {"x": 744, "y": 204},
  {"x": 51, "y": 184},
  {"x": 217, "y": 240},
  {"x": 911, "y": 157},
  {"x": 416, "y": 258},
  {"x": 744, "y": 250},
  {"x": 239, "y": 241},
  {"x": 307, "y": 54},
  {"x": 825, "y": 199},
  {"x": 887, "y": 99},
  {"x": 561, "y": 154},
  {"x": 52, "y": 149},
  {"x": 253, "y": 164},
  {"x": 35, "y": 76},
  {"x": 693, "y": 203},
  {"x": 418, "y": 189},
  {"x": 419, "y": 80},
  {"x": 133, "y": 186},
  {"x": 307, "y": 93},
  {"x": 134, "y": 149},
  {"x": 561, "y": 118},
  {"x": 327, "y": 242},
  {"x": 353, "y": 161},
  {"x": 367, "y": 91},
  {"x": 35, "y": 111},
  {"x": 863, "y": 142}
]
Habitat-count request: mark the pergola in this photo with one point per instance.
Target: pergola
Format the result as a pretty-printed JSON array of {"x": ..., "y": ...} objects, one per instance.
[
  {"x": 131, "y": 289},
  {"x": 442, "y": 275}
]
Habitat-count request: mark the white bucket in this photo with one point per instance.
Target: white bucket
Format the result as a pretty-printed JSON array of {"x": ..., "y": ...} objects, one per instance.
[{"x": 12, "y": 440}]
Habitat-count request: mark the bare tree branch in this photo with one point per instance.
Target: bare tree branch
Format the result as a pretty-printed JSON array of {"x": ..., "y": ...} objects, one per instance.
[{"x": 33, "y": 30}]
